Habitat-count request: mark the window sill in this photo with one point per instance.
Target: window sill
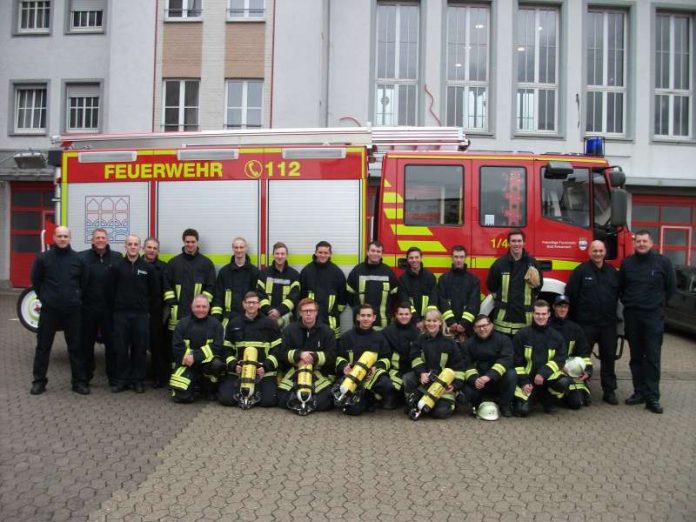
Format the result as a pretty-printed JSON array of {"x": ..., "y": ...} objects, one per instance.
[
  {"x": 245, "y": 20},
  {"x": 664, "y": 140},
  {"x": 36, "y": 32},
  {"x": 29, "y": 132},
  {"x": 96, "y": 30},
  {"x": 184, "y": 20}
]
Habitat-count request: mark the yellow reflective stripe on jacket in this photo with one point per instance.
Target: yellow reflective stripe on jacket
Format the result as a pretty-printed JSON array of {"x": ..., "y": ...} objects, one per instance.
[
  {"x": 528, "y": 358},
  {"x": 395, "y": 360},
  {"x": 520, "y": 394},
  {"x": 321, "y": 358},
  {"x": 504, "y": 288},
  {"x": 571, "y": 348},
  {"x": 497, "y": 367},
  {"x": 417, "y": 361},
  {"x": 447, "y": 314},
  {"x": 468, "y": 316},
  {"x": 207, "y": 351},
  {"x": 470, "y": 373},
  {"x": 228, "y": 300},
  {"x": 197, "y": 287},
  {"x": 177, "y": 288},
  {"x": 332, "y": 302},
  {"x": 443, "y": 360}
]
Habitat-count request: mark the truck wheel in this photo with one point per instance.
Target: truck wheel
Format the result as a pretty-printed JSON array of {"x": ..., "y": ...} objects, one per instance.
[{"x": 28, "y": 309}]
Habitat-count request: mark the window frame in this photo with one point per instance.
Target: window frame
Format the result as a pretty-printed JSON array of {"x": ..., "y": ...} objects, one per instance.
[
  {"x": 244, "y": 107},
  {"x": 525, "y": 182},
  {"x": 604, "y": 89},
  {"x": 181, "y": 107},
  {"x": 70, "y": 12},
  {"x": 671, "y": 92},
  {"x": 467, "y": 85},
  {"x": 25, "y": 86},
  {"x": 246, "y": 16},
  {"x": 187, "y": 6},
  {"x": 536, "y": 87},
  {"x": 97, "y": 93},
  {"x": 32, "y": 31},
  {"x": 442, "y": 202},
  {"x": 406, "y": 87}
]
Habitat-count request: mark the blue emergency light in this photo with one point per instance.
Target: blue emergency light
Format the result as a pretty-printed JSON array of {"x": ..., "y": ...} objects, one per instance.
[{"x": 594, "y": 146}]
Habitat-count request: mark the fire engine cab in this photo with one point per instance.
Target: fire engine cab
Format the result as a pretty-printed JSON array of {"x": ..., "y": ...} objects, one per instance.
[{"x": 405, "y": 186}]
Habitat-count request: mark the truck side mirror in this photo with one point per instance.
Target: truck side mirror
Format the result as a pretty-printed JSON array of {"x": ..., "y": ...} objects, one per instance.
[{"x": 619, "y": 207}]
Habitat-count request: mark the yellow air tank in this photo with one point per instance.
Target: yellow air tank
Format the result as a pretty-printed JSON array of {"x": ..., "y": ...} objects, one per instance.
[
  {"x": 436, "y": 389},
  {"x": 357, "y": 374}
]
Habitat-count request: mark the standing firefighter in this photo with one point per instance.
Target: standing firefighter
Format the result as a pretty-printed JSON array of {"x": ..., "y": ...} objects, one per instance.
[
  {"x": 372, "y": 282},
  {"x": 234, "y": 280},
  {"x": 196, "y": 347},
  {"x": 59, "y": 277},
  {"x": 417, "y": 285},
  {"x": 593, "y": 290},
  {"x": 515, "y": 280},
  {"x": 324, "y": 282},
  {"x": 187, "y": 275},
  {"x": 309, "y": 348},
  {"x": 459, "y": 294},
  {"x": 97, "y": 316},
  {"x": 646, "y": 282},
  {"x": 134, "y": 292},
  {"x": 160, "y": 348},
  {"x": 279, "y": 287}
]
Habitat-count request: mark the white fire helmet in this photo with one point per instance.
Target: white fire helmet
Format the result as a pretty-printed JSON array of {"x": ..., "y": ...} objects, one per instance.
[
  {"x": 488, "y": 410},
  {"x": 575, "y": 366}
]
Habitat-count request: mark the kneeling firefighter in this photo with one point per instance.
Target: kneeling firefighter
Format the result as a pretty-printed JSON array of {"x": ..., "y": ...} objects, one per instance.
[
  {"x": 250, "y": 350},
  {"x": 362, "y": 366},
  {"x": 308, "y": 347},
  {"x": 196, "y": 348},
  {"x": 438, "y": 371}
]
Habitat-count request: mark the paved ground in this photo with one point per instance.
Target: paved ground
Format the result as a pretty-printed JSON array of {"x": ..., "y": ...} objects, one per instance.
[{"x": 140, "y": 457}]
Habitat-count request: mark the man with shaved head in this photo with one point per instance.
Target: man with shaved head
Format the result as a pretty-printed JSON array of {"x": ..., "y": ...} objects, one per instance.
[
  {"x": 593, "y": 289},
  {"x": 59, "y": 277}
]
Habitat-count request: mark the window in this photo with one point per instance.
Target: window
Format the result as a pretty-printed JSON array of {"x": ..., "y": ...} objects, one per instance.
[
  {"x": 183, "y": 9},
  {"x": 537, "y": 70},
  {"x": 86, "y": 15},
  {"x": 673, "y": 76},
  {"x": 30, "y": 109},
  {"x": 468, "y": 37},
  {"x": 180, "y": 105},
  {"x": 503, "y": 200},
  {"x": 244, "y": 103},
  {"x": 433, "y": 195},
  {"x": 567, "y": 200},
  {"x": 82, "y": 108},
  {"x": 245, "y": 9},
  {"x": 397, "y": 64},
  {"x": 33, "y": 16},
  {"x": 606, "y": 66}
]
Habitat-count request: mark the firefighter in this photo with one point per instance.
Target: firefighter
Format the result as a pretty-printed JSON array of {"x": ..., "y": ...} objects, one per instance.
[
  {"x": 59, "y": 277},
  {"x": 255, "y": 330},
  {"x": 593, "y": 290},
  {"x": 417, "y": 285},
  {"x": 373, "y": 282},
  {"x": 489, "y": 374},
  {"x": 97, "y": 317},
  {"x": 196, "y": 347},
  {"x": 324, "y": 282},
  {"x": 431, "y": 353},
  {"x": 459, "y": 294},
  {"x": 279, "y": 287},
  {"x": 160, "y": 348},
  {"x": 578, "y": 394},
  {"x": 646, "y": 283},
  {"x": 515, "y": 280},
  {"x": 234, "y": 280},
  {"x": 134, "y": 293},
  {"x": 362, "y": 338},
  {"x": 307, "y": 342},
  {"x": 399, "y": 335},
  {"x": 188, "y": 274},
  {"x": 540, "y": 355}
]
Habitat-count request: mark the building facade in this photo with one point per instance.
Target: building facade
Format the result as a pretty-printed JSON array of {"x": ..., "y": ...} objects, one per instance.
[{"x": 517, "y": 76}]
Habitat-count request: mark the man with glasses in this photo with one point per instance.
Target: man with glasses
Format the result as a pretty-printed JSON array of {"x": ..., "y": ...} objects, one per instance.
[
  {"x": 489, "y": 374},
  {"x": 310, "y": 344}
]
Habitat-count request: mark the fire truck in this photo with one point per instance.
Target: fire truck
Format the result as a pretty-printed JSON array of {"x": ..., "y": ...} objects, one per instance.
[{"x": 404, "y": 186}]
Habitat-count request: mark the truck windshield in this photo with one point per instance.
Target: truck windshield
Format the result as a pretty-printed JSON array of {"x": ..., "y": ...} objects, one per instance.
[{"x": 567, "y": 200}]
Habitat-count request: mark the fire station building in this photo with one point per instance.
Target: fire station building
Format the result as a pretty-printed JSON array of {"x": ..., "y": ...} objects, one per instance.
[{"x": 536, "y": 76}]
